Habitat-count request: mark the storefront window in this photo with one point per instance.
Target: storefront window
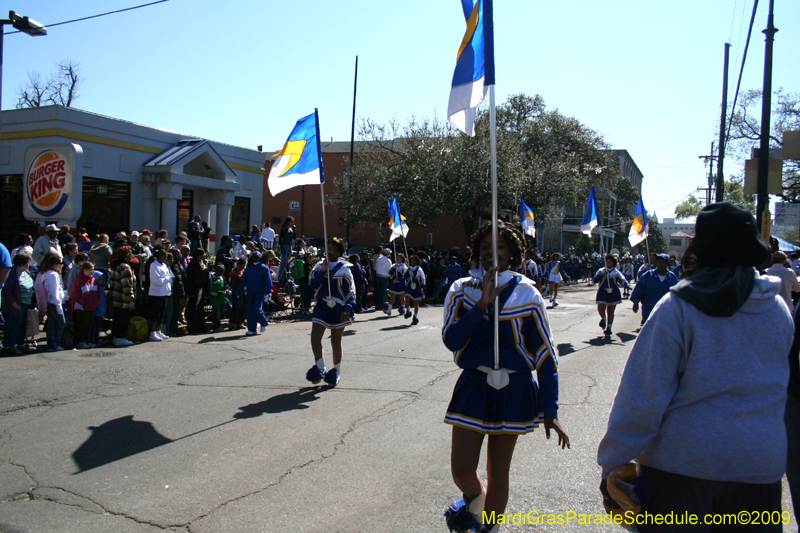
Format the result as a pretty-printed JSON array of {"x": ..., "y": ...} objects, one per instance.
[
  {"x": 12, "y": 223},
  {"x": 185, "y": 209},
  {"x": 106, "y": 206}
]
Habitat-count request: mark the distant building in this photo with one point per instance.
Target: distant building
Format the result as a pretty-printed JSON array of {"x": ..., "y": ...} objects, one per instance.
[
  {"x": 134, "y": 176},
  {"x": 678, "y": 235},
  {"x": 561, "y": 232}
]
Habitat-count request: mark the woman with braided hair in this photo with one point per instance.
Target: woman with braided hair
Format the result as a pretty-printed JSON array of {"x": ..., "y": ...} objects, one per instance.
[{"x": 501, "y": 403}]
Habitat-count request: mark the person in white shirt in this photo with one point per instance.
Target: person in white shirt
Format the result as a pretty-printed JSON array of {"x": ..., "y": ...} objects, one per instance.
[
  {"x": 789, "y": 283},
  {"x": 267, "y": 236},
  {"x": 160, "y": 290},
  {"x": 795, "y": 257},
  {"x": 382, "y": 267}
]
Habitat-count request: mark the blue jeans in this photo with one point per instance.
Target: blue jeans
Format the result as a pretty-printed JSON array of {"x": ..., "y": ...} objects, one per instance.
[
  {"x": 14, "y": 332},
  {"x": 54, "y": 327},
  {"x": 381, "y": 286},
  {"x": 286, "y": 255}
]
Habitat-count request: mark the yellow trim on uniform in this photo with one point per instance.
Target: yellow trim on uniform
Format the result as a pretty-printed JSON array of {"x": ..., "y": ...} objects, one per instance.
[{"x": 86, "y": 137}]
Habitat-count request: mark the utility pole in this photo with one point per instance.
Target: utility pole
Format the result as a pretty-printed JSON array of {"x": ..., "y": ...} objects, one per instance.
[
  {"x": 710, "y": 160},
  {"x": 721, "y": 157},
  {"x": 766, "y": 105}
]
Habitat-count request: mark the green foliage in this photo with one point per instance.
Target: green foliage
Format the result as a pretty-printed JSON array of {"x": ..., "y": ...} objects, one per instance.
[
  {"x": 434, "y": 169},
  {"x": 734, "y": 192},
  {"x": 688, "y": 208},
  {"x": 655, "y": 239},
  {"x": 745, "y": 132},
  {"x": 586, "y": 245},
  {"x": 793, "y": 236}
]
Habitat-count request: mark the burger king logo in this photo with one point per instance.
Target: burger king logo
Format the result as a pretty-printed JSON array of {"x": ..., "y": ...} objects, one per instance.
[{"x": 47, "y": 187}]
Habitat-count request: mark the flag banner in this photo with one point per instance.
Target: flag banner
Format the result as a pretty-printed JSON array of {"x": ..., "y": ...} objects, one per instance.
[
  {"x": 397, "y": 221},
  {"x": 640, "y": 227},
  {"x": 590, "y": 217},
  {"x": 474, "y": 66},
  {"x": 300, "y": 161},
  {"x": 526, "y": 218}
]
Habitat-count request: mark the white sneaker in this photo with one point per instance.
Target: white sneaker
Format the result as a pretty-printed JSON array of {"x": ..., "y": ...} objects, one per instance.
[
  {"x": 161, "y": 334},
  {"x": 121, "y": 341},
  {"x": 388, "y": 309},
  {"x": 154, "y": 337}
]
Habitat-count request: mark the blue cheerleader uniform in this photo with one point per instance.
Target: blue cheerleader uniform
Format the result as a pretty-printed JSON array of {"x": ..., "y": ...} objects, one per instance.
[
  {"x": 608, "y": 282},
  {"x": 342, "y": 290},
  {"x": 531, "y": 269},
  {"x": 554, "y": 272},
  {"x": 397, "y": 282},
  {"x": 526, "y": 344},
  {"x": 415, "y": 283},
  {"x": 627, "y": 271}
]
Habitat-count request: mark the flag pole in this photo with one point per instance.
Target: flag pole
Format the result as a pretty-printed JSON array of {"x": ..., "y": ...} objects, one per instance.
[
  {"x": 329, "y": 299},
  {"x": 495, "y": 260}
]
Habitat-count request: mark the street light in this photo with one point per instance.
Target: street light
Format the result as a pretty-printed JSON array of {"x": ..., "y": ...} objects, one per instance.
[{"x": 23, "y": 24}]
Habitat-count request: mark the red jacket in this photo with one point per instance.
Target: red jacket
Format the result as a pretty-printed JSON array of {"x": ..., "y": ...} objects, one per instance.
[{"x": 85, "y": 293}]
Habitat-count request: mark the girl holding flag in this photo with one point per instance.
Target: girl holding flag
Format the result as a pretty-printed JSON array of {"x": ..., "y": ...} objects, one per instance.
[
  {"x": 397, "y": 284},
  {"x": 415, "y": 288},
  {"x": 481, "y": 406},
  {"x": 334, "y": 310},
  {"x": 608, "y": 280}
]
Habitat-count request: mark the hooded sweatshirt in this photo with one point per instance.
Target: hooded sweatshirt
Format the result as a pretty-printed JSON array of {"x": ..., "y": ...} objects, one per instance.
[
  {"x": 85, "y": 292},
  {"x": 704, "y": 396}
]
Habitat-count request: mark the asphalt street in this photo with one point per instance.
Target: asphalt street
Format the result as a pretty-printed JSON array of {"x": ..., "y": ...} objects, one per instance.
[{"x": 221, "y": 433}]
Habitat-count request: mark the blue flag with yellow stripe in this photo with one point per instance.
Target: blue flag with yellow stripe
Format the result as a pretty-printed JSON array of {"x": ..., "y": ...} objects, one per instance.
[
  {"x": 300, "y": 160},
  {"x": 474, "y": 70},
  {"x": 640, "y": 228}
]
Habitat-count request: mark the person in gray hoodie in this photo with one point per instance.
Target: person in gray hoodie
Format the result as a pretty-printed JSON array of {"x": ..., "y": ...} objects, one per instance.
[{"x": 701, "y": 402}]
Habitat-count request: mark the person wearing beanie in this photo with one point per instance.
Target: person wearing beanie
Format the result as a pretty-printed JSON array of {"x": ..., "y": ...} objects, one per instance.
[{"x": 701, "y": 402}]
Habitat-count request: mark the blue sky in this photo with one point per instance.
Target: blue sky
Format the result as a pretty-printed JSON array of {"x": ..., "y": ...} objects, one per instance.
[{"x": 647, "y": 75}]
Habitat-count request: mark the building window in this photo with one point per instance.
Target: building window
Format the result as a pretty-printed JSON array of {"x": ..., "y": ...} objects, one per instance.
[
  {"x": 240, "y": 216},
  {"x": 106, "y": 206},
  {"x": 12, "y": 223},
  {"x": 676, "y": 242}
]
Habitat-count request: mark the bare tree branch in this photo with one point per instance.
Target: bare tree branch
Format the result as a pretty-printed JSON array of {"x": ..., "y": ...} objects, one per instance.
[{"x": 61, "y": 87}]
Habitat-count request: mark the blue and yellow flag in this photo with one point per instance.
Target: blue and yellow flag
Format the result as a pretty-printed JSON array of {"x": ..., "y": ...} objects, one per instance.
[
  {"x": 590, "y": 217},
  {"x": 397, "y": 221},
  {"x": 526, "y": 218},
  {"x": 300, "y": 161},
  {"x": 474, "y": 66},
  {"x": 640, "y": 227}
]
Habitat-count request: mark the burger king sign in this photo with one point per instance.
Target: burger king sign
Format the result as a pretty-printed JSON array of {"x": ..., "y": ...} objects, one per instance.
[{"x": 53, "y": 182}]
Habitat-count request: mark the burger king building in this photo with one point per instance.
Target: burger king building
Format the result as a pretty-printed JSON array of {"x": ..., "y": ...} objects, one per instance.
[{"x": 126, "y": 176}]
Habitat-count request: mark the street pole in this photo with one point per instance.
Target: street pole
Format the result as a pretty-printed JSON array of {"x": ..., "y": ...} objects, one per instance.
[
  {"x": 720, "y": 176},
  {"x": 766, "y": 105},
  {"x": 710, "y": 173}
]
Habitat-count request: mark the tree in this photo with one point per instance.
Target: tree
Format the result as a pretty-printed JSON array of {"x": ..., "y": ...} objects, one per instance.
[
  {"x": 745, "y": 132},
  {"x": 60, "y": 88},
  {"x": 734, "y": 192},
  {"x": 434, "y": 169},
  {"x": 792, "y": 235},
  {"x": 655, "y": 239}
]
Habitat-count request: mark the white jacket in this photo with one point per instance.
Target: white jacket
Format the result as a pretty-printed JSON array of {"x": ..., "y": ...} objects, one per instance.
[{"x": 160, "y": 280}]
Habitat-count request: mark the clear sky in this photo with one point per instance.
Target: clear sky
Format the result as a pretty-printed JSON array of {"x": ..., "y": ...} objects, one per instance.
[{"x": 647, "y": 75}]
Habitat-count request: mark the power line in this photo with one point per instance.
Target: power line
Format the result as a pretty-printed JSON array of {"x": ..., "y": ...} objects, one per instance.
[
  {"x": 741, "y": 71},
  {"x": 97, "y": 16}
]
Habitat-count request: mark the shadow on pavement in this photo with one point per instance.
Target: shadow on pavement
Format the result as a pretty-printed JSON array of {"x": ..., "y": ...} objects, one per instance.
[
  {"x": 565, "y": 349},
  {"x": 290, "y": 401},
  {"x": 625, "y": 337},
  {"x": 393, "y": 328},
  {"x": 124, "y": 437},
  {"x": 115, "y": 440},
  {"x": 600, "y": 341}
]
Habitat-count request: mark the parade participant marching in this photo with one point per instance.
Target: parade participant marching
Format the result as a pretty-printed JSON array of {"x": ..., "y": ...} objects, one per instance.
[
  {"x": 652, "y": 286},
  {"x": 627, "y": 271},
  {"x": 516, "y": 404},
  {"x": 530, "y": 268},
  {"x": 397, "y": 284},
  {"x": 335, "y": 308},
  {"x": 608, "y": 280},
  {"x": 415, "y": 288},
  {"x": 555, "y": 277},
  {"x": 257, "y": 279}
]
